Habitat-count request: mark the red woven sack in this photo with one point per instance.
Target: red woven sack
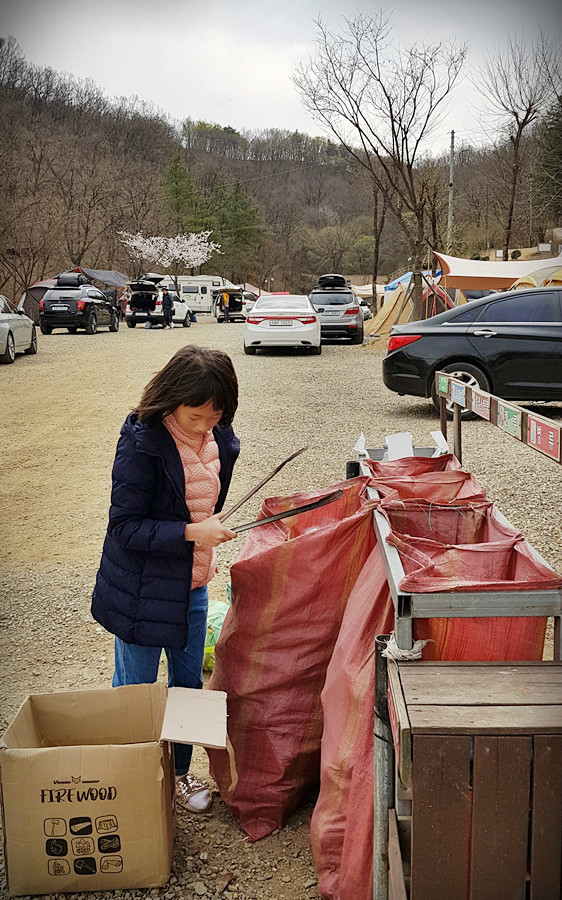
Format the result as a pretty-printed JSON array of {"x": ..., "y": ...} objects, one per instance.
[
  {"x": 341, "y": 828},
  {"x": 290, "y": 585}
]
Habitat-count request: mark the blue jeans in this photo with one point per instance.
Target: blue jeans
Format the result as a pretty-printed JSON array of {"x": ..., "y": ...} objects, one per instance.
[{"x": 139, "y": 665}]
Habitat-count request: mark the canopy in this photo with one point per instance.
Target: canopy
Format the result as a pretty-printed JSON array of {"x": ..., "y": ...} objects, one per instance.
[
  {"x": 106, "y": 276},
  {"x": 477, "y": 274},
  {"x": 366, "y": 290}
]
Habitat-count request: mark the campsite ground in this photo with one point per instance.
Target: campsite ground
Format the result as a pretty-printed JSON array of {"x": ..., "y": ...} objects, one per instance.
[{"x": 62, "y": 412}]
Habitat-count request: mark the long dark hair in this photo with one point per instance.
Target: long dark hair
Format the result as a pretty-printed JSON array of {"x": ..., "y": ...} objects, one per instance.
[{"x": 192, "y": 377}]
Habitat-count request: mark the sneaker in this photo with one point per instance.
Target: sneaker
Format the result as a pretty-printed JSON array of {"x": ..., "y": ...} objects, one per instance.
[{"x": 192, "y": 794}]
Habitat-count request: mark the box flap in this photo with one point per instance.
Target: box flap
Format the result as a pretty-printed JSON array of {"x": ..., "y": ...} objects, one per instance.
[{"x": 195, "y": 717}]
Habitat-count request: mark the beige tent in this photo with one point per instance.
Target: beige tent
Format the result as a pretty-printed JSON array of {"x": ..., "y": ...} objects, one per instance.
[
  {"x": 364, "y": 291},
  {"x": 476, "y": 275},
  {"x": 395, "y": 311}
]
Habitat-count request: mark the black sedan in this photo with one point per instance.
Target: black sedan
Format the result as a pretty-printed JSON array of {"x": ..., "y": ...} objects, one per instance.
[{"x": 509, "y": 344}]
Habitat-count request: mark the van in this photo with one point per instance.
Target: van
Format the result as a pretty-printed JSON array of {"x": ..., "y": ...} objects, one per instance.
[{"x": 196, "y": 290}]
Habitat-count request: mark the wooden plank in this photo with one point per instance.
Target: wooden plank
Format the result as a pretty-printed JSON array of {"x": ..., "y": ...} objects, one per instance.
[
  {"x": 440, "y": 818},
  {"x": 396, "y": 883},
  {"x": 401, "y": 727},
  {"x": 546, "y": 818},
  {"x": 486, "y": 719},
  {"x": 500, "y": 817},
  {"x": 502, "y": 685}
]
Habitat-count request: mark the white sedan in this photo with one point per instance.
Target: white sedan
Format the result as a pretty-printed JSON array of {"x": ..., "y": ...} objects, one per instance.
[
  {"x": 17, "y": 332},
  {"x": 287, "y": 320}
]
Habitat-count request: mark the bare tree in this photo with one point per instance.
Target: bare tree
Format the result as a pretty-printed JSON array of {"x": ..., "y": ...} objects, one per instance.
[
  {"x": 382, "y": 104},
  {"x": 520, "y": 82}
]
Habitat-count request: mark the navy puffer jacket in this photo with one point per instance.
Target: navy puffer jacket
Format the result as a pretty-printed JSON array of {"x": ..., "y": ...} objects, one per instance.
[{"x": 144, "y": 579}]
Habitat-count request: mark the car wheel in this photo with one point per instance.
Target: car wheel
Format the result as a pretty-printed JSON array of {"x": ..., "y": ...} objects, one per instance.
[
  {"x": 316, "y": 351},
  {"x": 187, "y": 321},
  {"x": 131, "y": 324},
  {"x": 33, "y": 346},
  {"x": 249, "y": 351},
  {"x": 471, "y": 375},
  {"x": 46, "y": 329},
  {"x": 114, "y": 324},
  {"x": 91, "y": 324},
  {"x": 72, "y": 329},
  {"x": 357, "y": 338},
  {"x": 10, "y": 354}
]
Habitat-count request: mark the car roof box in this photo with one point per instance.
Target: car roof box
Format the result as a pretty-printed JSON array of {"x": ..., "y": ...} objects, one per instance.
[
  {"x": 152, "y": 276},
  {"x": 72, "y": 279},
  {"x": 333, "y": 281}
]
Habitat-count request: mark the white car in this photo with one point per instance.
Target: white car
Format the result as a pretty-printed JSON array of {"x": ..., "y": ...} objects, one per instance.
[
  {"x": 144, "y": 304},
  {"x": 289, "y": 320},
  {"x": 17, "y": 332}
]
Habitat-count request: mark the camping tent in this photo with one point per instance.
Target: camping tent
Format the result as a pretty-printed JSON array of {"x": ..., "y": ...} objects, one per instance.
[
  {"x": 395, "y": 311},
  {"x": 476, "y": 274},
  {"x": 365, "y": 291}
]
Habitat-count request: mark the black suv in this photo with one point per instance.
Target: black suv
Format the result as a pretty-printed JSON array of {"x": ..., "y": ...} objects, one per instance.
[
  {"x": 75, "y": 303},
  {"x": 340, "y": 311}
]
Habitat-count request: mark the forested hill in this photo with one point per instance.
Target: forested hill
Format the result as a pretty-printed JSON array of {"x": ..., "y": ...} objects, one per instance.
[{"x": 78, "y": 168}]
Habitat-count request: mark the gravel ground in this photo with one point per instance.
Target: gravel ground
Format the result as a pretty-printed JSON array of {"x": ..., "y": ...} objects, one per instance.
[{"x": 62, "y": 411}]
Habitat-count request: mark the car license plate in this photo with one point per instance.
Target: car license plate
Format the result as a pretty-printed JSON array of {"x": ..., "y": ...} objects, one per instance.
[
  {"x": 280, "y": 322},
  {"x": 59, "y": 308},
  {"x": 331, "y": 312},
  {"x": 141, "y": 314}
]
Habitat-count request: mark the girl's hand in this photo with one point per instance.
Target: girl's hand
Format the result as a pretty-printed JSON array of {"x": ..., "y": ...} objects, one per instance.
[{"x": 210, "y": 532}]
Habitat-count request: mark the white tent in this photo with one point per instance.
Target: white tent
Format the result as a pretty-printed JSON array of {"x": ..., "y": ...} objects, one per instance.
[{"x": 478, "y": 275}]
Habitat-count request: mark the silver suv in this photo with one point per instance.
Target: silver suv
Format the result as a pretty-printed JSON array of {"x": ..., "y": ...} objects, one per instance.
[{"x": 340, "y": 312}]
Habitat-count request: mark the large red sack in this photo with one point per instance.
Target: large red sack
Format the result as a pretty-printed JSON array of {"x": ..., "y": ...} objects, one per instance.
[
  {"x": 439, "y": 479},
  {"x": 290, "y": 586},
  {"x": 469, "y": 550},
  {"x": 341, "y": 828}
]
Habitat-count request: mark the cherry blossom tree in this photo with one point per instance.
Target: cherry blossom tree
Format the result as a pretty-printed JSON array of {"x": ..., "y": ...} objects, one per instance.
[{"x": 184, "y": 251}]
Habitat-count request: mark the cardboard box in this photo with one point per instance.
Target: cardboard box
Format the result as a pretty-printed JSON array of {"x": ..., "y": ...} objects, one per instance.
[{"x": 87, "y": 785}]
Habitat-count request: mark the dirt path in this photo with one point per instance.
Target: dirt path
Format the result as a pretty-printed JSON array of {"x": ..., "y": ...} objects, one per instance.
[{"x": 61, "y": 415}]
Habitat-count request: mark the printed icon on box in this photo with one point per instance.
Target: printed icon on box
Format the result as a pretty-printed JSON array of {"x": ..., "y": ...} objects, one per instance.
[
  {"x": 106, "y": 824},
  {"x": 56, "y": 847},
  {"x": 111, "y": 864},
  {"x": 58, "y": 867},
  {"x": 54, "y": 827},
  {"x": 111, "y": 844},
  {"x": 80, "y": 825},
  {"x": 86, "y": 866},
  {"x": 83, "y": 846},
  {"x": 551, "y": 441}
]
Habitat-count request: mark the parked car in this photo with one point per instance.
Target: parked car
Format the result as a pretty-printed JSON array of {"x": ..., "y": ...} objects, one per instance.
[
  {"x": 144, "y": 303},
  {"x": 282, "y": 321},
  {"x": 236, "y": 304},
  {"x": 509, "y": 344},
  {"x": 366, "y": 310},
  {"x": 75, "y": 303},
  {"x": 340, "y": 312},
  {"x": 17, "y": 332}
]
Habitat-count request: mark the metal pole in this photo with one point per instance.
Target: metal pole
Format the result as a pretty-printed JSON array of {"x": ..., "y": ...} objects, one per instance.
[
  {"x": 384, "y": 773},
  {"x": 450, "y": 213}
]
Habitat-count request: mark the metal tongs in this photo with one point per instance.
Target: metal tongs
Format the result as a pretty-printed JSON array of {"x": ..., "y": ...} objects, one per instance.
[{"x": 329, "y": 498}]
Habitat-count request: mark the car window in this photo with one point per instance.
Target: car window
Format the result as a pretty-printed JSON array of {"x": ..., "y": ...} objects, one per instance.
[
  {"x": 542, "y": 306},
  {"x": 5, "y": 305},
  {"x": 189, "y": 289},
  {"x": 328, "y": 298},
  {"x": 284, "y": 303},
  {"x": 467, "y": 315}
]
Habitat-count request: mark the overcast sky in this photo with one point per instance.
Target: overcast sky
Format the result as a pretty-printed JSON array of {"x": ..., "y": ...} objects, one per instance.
[{"x": 231, "y": 61}]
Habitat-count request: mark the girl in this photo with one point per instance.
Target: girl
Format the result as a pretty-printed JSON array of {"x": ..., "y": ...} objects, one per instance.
[{"x": 171, "y": 473}]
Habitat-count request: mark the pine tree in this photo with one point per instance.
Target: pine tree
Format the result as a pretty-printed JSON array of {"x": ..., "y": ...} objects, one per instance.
[{"x": 186, "y": 207}]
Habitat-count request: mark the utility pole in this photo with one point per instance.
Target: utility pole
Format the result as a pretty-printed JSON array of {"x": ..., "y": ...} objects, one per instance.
[{"x": 450, "y": 214}]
